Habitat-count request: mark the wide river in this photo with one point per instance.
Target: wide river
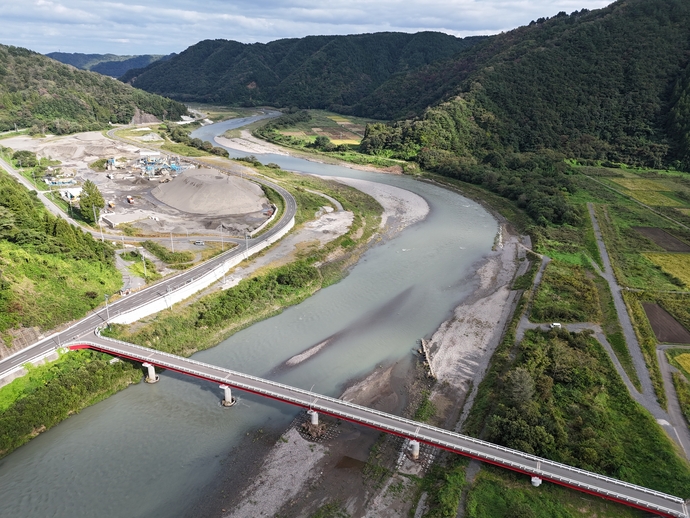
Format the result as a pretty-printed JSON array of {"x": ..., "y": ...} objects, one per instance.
[{"x": 154, "y": 450}]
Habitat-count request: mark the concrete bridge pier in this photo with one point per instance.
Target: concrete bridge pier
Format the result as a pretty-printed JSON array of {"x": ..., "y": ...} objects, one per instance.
[
  {"x": 228, "y": 400},
  {"x": 314, "y": 417},
  {"x": 151, "y": 377},
  {"x": 414, "y": 449},
  {"x": 536, "y": 481}
]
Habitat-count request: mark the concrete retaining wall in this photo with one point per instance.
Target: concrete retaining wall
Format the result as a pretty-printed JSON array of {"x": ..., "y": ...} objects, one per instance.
[{"x": 204, "y": 280}]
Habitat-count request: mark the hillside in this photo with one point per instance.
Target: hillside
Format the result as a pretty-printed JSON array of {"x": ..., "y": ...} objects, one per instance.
[
  {"x": 40, "y": 93},
  {"x": 316, "y": 71},
  {"x": 609, "y": 84},
  {"x": 50, "y": 272},
  {"x": 106, "y": 64}
]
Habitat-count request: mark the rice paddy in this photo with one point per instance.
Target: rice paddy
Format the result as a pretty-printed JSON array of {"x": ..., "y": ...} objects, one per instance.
[
  {"x": 677, "y": 265},
  {"x": 655, "y": 199},
  {"x": 635, "y": 184},
  {"x": 684, "y": 361}
]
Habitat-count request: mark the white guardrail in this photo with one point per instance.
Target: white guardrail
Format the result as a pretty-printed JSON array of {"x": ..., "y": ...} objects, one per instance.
[{"x": 412, "y": 429}]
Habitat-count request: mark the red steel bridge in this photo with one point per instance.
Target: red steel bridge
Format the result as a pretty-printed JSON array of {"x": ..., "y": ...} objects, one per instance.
[{"x": 537, "y": 468}]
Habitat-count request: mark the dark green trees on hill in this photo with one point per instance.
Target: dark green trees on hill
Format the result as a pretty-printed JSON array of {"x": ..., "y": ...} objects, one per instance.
[
  {"x": 609, "y": 85},
  {"x": 38, "y": 92},
  {"x": 312, "y": 72}
]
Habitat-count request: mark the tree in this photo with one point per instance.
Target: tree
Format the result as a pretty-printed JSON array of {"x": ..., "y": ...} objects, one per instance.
[
  {"x": 519, "y": 386},
  {"x": 90, "y": 202}
]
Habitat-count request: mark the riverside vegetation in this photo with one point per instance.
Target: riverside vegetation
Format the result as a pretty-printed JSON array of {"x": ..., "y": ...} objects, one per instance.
[{"x": 50, "y": 393}]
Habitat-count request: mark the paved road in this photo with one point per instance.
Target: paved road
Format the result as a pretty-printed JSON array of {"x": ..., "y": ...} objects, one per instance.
[
  {"x": 628, "y": 494},
  {"x": 667, "y": 370},
  {"x": 622, "y": 310},
  {"x": 156, "y": 291}
]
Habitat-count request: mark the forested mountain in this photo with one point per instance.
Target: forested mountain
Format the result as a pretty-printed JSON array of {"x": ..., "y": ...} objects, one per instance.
[
  {"x": 106, "y": 64},
  {"x": 610, "y": 84},
  {"x": 316, "y": 71},
  {"x": 39, "y": 92}
]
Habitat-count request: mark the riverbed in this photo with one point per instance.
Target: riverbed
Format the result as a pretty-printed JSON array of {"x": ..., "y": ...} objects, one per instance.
[{"x": 155, "y": 450}]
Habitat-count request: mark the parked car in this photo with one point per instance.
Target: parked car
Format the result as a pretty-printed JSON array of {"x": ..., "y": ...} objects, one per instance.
[{"x": 200, "y": 243}]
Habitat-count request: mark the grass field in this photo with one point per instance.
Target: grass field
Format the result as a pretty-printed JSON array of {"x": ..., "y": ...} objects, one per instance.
[
  {"x": 566, "y": 295},
  {"x": 677, "y": 265},
  {"x": 635, "y": 184},
  {"x": 502, "y": 494},
  {"x": 184, "y": 150}
]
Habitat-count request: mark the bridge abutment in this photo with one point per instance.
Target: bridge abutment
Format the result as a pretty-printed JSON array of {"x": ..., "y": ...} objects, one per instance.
[
  {"x": 228, "y": 399},
  {"x": 536, "y": 481},
  {"x": 151, "y": 377}
]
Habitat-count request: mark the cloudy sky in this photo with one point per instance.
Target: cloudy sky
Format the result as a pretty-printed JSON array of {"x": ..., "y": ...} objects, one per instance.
[{"x": 161, "y": 27}]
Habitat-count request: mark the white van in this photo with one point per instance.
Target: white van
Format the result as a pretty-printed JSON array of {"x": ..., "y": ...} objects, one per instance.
[{"x": 555, "y": 325}]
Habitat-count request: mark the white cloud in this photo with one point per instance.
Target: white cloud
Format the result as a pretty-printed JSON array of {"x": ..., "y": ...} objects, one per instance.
[{"x": 152, "y": 26}]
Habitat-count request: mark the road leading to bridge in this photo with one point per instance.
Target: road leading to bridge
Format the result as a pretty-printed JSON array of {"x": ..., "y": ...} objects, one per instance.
[{"x": 592, "y": 483}]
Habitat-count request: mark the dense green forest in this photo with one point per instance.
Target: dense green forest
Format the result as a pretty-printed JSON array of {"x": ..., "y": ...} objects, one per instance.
[
  {"x": 313, "y": 72},
  {"x": 106, "y": 64},
  {"x": 609, "y": 85},
  {"x": 50, "y": 271},
  {"x": 40, "y": 93}
]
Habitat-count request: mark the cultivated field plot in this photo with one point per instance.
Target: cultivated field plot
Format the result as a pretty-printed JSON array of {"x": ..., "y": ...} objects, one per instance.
[
  {"x": 339, "y": 129},
  {"x": 684, "y": 361},
  {"x": 338, "y": 135},
  {"x": 677, "y": 265},
  {"x": 655, "y": 199},
  {"x": 635, "y": 184},
  {"x": 666, "y": 328},
  {"x": 663, "y": 238}
]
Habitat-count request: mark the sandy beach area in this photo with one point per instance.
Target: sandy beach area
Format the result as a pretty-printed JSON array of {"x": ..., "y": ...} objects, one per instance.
[{"x": 248, "y": 143}]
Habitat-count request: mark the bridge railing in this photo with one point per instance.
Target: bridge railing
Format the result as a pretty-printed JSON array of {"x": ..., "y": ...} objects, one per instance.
[{"x": 535, "y": 465}]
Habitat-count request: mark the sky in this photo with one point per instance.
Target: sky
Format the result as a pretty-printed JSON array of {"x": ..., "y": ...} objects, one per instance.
[{"x": 129, "y": 27}]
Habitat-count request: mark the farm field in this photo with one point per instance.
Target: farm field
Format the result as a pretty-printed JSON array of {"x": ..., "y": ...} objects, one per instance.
[
  {"x": 683, "y": 359},
  {"x": 338, "y": 128},
  {"x": 655, "y": 198},
  {"x": 635, "y": 184},
  {"x": 663, "y": 239},
  {"x": 666, "y": 328},
  {"x": 677, "y": 265}
]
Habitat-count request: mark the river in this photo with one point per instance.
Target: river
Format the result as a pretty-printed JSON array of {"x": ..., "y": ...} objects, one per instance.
[{"x": 153, "y": 450}]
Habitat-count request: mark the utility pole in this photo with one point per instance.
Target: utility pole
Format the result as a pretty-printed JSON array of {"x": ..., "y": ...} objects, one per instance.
[
  {"x": 172, "y": 244},
  {"x": 143, "y": 260},
  {"x": 107, "y": 311},
  {"x": 222, "y": 247}
]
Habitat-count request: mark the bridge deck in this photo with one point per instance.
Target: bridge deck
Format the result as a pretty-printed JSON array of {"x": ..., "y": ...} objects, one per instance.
[{"x": 623, "y": 492}]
